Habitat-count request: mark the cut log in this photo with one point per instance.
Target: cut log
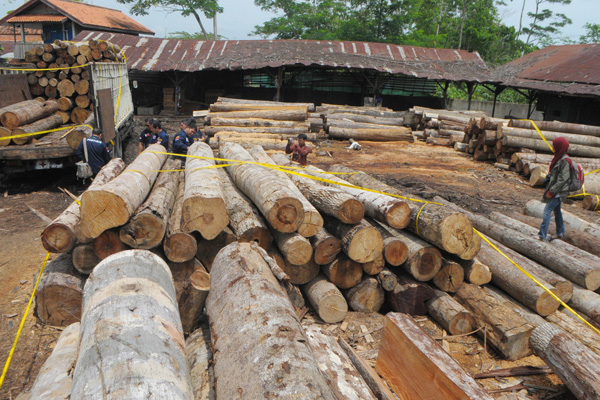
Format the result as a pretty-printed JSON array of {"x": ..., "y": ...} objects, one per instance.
[
  {"x": 147, "y": 227},
  {"x": 82, "y": 86},
  {"x": 213, "y": 130},
  {"x": 332, "y": 201},
  {"x": 41, "y": 125},
  {"x": 416, "y": 367},
  {"x": 179, "y": 246},
  {"x": 326, "y": 299},
  {"x": 282, "y": 115},
  {"x": 476, "y": 272},
  {"x": 573, "y": 138},
  {"x": 541, "y": 146},
  {"x": 394, "y": 134},
  {"x": 60, "y": 292},
  {"x": 248, "y": 142},
  {"x": 61, "y": 235},
  {"x": 409, "y": 296},
  {"x": 361, "y": 242},
  {"x": 75, "y": 136},
  {"x": 344, "y": 381},
  {"x": 193, "y": 296},
  {"x": 387, "y": 279},
  {"x": 257, "y": 122},
  {"x": 65, "y": 103},
  {"x": 278, "y": 205},
  {"x": 326, "y": 247},
  {"x": 228, "y": 107},
  {"x": 310, "y": 106},
  {"x": 112, "y": 205},
  {"x": 424, "y": 260},
  {"x": 301, "y": 274},
  {"x": 557, "y": 126},
  {"x": 450, "y": 314},
  {"x": 368, "y": 119},
  {"x": 387, "y": 209},
  {"x": 65, "y": 115},
  {"x": 244, "y": 219},
  {"x": 506, "y": 331},
  {"x": 312, "y": 222},
  {"x": 204, "y": 208},
  {"x": 587, "y": 302},
  {"x": 536, "y": 208},
  {"x": 82, "y": 101},
  {"x": 343, "y": 272},
  {"x": 129, "y": 302},
  {"x": 348, "y": 124},
  {"x": 207, "y": 250},
  {"x": 181, "y": 275},
  {"x": 200, "y": 357},
  {"x": 108, "y": 243},
  {"x": 395, "y": 250},
  {"x": 244, "y": 292},
  {"x": 84, "y": 258},
  {"x": 450, "y": 277},
  {"x": 66, "y": 88},
  {"x": 54, "y": 381},
  {"x": 591, "y": 202},
  {"x": 295, "y": 248},
  {"x": 374, "y": 267},
  {"x": 576, "y": 365},
  {"x": 447, "y": 229},
  {"x": 367, "y": 296},
  {"x": 4, "y": 133},
  {"x": 79, "y": 115}
]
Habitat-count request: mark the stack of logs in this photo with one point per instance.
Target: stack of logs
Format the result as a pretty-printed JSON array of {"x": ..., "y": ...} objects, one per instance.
[
  {"x": 39, "y": 115},
  {"x": 63, "y": 76}
]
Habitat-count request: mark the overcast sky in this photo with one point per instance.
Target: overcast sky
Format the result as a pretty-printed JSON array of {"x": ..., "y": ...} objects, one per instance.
[{"x": 240, "y": 16}]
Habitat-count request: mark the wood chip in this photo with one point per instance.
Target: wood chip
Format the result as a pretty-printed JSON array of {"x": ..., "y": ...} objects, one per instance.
[
  {"x": 369, "y": 338},
  {"x": 9, "y": 315},
  {"x": 344, "y": 326},
  {"x": 364, "y": 329}
]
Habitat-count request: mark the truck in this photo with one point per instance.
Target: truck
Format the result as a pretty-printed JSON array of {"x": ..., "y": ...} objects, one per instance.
[{"x": 112, "y": 110}]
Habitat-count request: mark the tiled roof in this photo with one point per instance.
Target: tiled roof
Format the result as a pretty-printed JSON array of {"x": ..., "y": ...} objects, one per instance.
[
  {"x": 8, "y": 30},
  {"x": 36, "y": 18}
]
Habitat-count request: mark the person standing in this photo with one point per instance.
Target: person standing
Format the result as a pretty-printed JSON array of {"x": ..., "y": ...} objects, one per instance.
[
  {"x": 299, "y": 149},
  {"x": 557, "y": 189},
  {"x": 184, "y": 139},
  {"x": 98, "y": 154},
  {"x": 145, "y": 136},
  {"x": 159, "y": 136}
]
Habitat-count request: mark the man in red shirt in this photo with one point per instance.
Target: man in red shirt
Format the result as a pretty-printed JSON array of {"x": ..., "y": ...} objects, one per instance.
[{"x": 299, "y": 149}]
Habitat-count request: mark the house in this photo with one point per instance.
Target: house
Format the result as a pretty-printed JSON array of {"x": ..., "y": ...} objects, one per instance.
[{"x": 63, "y": 20}]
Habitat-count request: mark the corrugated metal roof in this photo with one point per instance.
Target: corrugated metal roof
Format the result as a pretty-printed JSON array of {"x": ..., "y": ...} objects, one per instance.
[
  {"x": 36, "y": 18},
  {"x": 155, "y": 54},
  {"x": 566, "y": 69}
]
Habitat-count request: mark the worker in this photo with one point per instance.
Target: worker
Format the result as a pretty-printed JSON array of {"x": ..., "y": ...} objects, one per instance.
[
  {"x": 145, "y": 136},
  {"x": 185, "y": 138},
  {"x": 159, "y": 136},
  {"x": 557, "y": 189},
  {"x": 299, "y": 149},
  {"x": 98, "y": 154}
]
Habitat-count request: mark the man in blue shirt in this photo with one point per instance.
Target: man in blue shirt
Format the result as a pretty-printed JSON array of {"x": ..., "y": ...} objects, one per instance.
[
  {"x": 145, "y": 136},
  {"x": 159, "y": 136},
  {"x": 97, "y": 151},
  {"x": 185, "y": 138}
]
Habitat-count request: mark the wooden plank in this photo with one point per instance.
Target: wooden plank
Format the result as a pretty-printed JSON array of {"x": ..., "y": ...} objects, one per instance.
[
  {"x": 32, "y": 152},
  {"x": 416, "y": 367},
  {"x": 106, "y": 115},
  {"x": 13, "y": 89}
]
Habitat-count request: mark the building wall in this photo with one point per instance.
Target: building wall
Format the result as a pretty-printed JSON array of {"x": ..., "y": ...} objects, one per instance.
[{"x": 502, "y": 109}]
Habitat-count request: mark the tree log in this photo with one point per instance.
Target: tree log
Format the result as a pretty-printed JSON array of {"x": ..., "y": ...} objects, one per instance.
[
  {"x": 326, "y": 299},
  {"x": 409, "y": 296},
  {"x": 387, "y": 279},
  {"x": 369, "y": 119},
  {"x": 310, "y": 106},
  {"x": 228, "y": 107},
  {"x": 576, "y": 365},
  {"x": 257, "y": 122},
  {"x": 82, "y": 101},
  {"x": 361, "y": 242},
  {"x": 147, "y": 227},
  {"x": 54, "y": 381},
  {"x": 131, "y": 326},
  {"x": 79, "y": 115},
  {"x": 506, "y": 331},
  {"x": 244, "y": 292},
  {"x": 265, "y": 135},
  {"x": 60, "y": 292},
  {"x": 200, "y": 357},
  {"x": 349, "y": 124},
  {"x": 64, "y": 103},
  {"x": 282, "y": 115},
  {"x": 61, "y": 235},
  {"x": 66, "y": 88},
  {"x": 540, "y": 145},
  {"x": 108, "y": 243},
  {"x": 447, "y": 229},
  {"x": 179, "y": 246},
  {"x": 40, "y": 125},
  {"x": 84, "y": 258},
  {"x": 244, "y": 219},
  {"x": 395, "y": 250},
  {"x": 450, "y": 314},
  {"x": 536, "y": 208},
  {"x": 394, "y": 134},
  {"x": 416, "y": 367},
  {"x": 591, "y": 203},
  {"x": 193, "y": 296},
  {"x": 112, "y": 205},
  {"x": 4, "y": 133},
  {"x": 557, "y": 126},
  {"x": 213, "y": 130},
  {"x": 312, "y": 222},
  {"x": 82, "y": 86},
  {"x": 65, "y": 115},
  {"x": 301, "y": 274},
  {"x": 279, "y": 206},
  {"x": 587, "y": 302},
  {"x": 326, "y": 247},
  {"x": 248, "y": 141},
  {"x": 576, "y": 139},
  {"x": 374, "y": 267},
  {"x": 343, "y": 272},
  {"x": 476, "y": 272},
  {"x": 207, "y": 250},
  {"x": 295, "y": 248},
  {"x": 75, "y": 136},
  {"x": 450, "y": 277},
  {"x": 367, "y": 296},
  {"x": 424, "y": 260}
]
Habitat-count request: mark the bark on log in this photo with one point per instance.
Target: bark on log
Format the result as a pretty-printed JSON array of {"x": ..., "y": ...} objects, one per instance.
[
  {"x": 147, "y": 227},
  {"x": 367, "y": 296},
  {"x": 310, "y": 106},
  {"x": 282, "y": 115},
  {"x": 62, "y": 233},
  {"x": 424, "y": 260},
  {"x": 54, "y": 381},
  {"x": 108, "y": 243},
  {"x": 549, "y": 135},
  {"x": 266, "y": 135},
  {"x": 228, "y": 107},
  {"x": 312, "y": 222},
  {"x": 60, "y": 292},
  {"x": 326, "y": 299},
  {"x": 248, "y": 141},
  {"x": 193, "y": 296},
  {"x": 131, "y": 326},
  {"x": 369, "y": 119},
  {"x": 244, "y": 219},
  {"x": 409, "y": 296},
  {"x": 213, "y": 130},
  {"x": 199, "y": 358},
  {"x": 179, "y": 246},
  {"x": 450, "y": 314},
  {"x": 113, "y": 204},
  {"x": 361, "y": 242},
  {"x": 40, "y": 125},
  {"x": 447, "y": 229},
  {"x": 557, "y": 126},
  {"x": 65, "y": 115},
  {"x": 540, "y": 145},
  {"x": 587, "y": 302},
  {"x": 244, "y": 292},
  {"x": 506, "y": 331},
  {"x": 395, "y": 250},
  {"x": 476, "y": 272},
  {"x": 387, "y": 279},
  {"x": 84, "y": 258},
  {"x": 416, "y": 367},
  {"x": 450, "y": 277},
  {"x": 326, "y": 247},
  {"x": 348, "y": 124},
  {"x": 536, "y": 208},
  {"x": 344, "y": 381},
  {"x": 207, "y": 250},
  {"x": 576, "y": 365},
  {"x": 279, "y": 206},
  {"x": 257, "y": 122},
  {"x": 381, "y": 135},
  {"x": 343, "y": 272}
]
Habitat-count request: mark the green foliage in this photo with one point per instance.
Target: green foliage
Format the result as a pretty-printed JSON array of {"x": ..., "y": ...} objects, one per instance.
[
  {"x": 459, "y": 91},
  {"x": 592, "y": 33},
  {"x": 185, "y": 7},
  {"x": 545, "y": 25},
  {"x": 193, "y": 36}
]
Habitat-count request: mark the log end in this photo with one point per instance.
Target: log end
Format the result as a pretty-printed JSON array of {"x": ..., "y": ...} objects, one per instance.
[
  {"x": 426, "y": 265},
  {"x": 301, "y": 274},
  {"x": 366, "y": 245},
  {"x": 286, "y": 215},
  {"x": 395, "y": 252},
  {"x": 333, "y": 307},
  {"x": 208, "y": 216},
  {"x": 592, "y": 280},
  {"x": 351, "y": 212},
  {"x": 58, "y": 238},
  {"x": 457, "y": 233},
  {"x": 59, "y": 305},
  {"x": 260, "y": 235},
  {"x": 100, "y": 211},
  {"x": 462, "y": 323},
  {"x": 180, "y": 247},
  {"x": 327, "y": 250},
  {"x": 546, "y": 304},
  {"x": 398, "y": 216},
  {"x": 144, "y": 231},
  {"x": 311, "y": 224}
]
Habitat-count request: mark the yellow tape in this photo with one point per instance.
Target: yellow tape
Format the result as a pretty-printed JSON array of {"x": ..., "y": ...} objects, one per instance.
[
  {"x": 44, "y": 69},
  {"x": 43, "y": 132},
  {"x": 12, "y": 349},
  {"x": 597, "y": 203},
  {"x": 592, "y": 172},
  {"x": 419, "y": 214},
  {"x": 540, "y": 132}
]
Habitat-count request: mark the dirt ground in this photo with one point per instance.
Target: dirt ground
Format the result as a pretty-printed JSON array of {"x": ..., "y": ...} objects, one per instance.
[{"x": 423, "y": 170}]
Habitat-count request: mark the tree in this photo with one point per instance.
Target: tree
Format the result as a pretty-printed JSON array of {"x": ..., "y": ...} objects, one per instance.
[
  {"x": 193, "y": 36},
  {"x": 536, "y": 32},
  {"x": 592, "y": 33},
  {"x": 185, "y": 7}
]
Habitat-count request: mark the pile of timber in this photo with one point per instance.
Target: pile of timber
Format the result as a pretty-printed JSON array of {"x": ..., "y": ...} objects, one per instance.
[
  {"x": 364, "y": 123},
  {"x": 69, "y": 83}
]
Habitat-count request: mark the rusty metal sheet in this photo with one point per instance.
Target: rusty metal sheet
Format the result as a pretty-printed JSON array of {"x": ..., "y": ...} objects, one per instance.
[{"x": 156, "y": 54}]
